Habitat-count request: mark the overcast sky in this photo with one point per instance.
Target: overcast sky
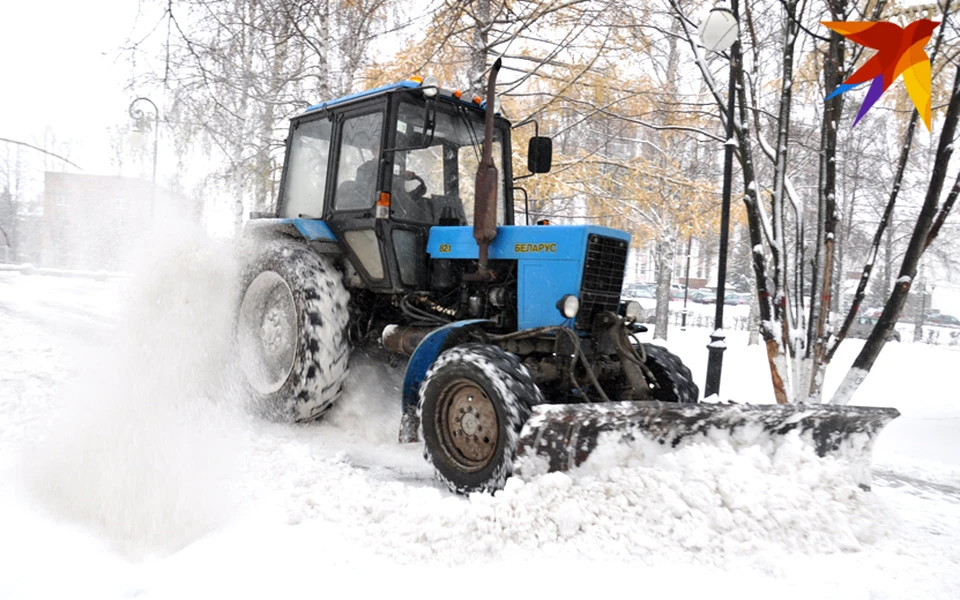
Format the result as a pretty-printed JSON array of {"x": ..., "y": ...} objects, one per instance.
[{"x": 60, "y": 67}]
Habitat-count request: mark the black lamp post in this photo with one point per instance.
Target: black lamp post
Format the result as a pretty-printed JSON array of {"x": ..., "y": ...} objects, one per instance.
[
  {"x": 138, "y": 115},
  {"x": 719, "y": 31},
  {"x": 686, "y": 284}
]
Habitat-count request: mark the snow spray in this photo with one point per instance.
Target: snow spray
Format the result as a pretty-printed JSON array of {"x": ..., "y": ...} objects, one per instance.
[
  {"x": 369, "y": 410},
  {"x": 149, "y": 441}
]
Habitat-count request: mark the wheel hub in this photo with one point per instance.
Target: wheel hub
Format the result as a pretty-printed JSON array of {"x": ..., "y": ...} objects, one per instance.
[
  {"x": 267, "y": 332},
  {"x": 273, "y": 330},
  {"x": 469, "y": 431},
  {"x": 470, "y": 423}
]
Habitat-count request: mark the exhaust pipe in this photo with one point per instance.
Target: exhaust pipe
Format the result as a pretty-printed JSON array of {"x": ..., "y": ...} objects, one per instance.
[
  {"x": 485, "y": 198},
  {"x": 404, "y": 339}
]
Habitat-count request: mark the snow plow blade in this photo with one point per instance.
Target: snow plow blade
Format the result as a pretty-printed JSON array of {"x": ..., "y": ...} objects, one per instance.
[{"x": 560, "y": 437}]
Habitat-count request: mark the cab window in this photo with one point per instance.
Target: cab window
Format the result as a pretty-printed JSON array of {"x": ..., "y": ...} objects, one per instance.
[
  {"x": 359, "y": 164},
  {"x": 306, "y": 176},
  {"x": 433, "y": 179}
]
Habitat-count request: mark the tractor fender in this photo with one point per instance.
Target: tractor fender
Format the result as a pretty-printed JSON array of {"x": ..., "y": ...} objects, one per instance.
[
  {"x": 316, "y": 233},
  {"x": 427, "y": 352}
]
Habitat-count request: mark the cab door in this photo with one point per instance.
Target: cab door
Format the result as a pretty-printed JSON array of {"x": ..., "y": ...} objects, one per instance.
[
  {"x": 389, "y": 252},
  {"x": 356, "y": 182}
]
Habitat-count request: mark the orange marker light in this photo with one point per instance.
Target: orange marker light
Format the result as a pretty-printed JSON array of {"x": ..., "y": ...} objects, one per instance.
[
  {"x": 457, "y": 94},
  {"x": 382, "y": 210},
  {"x": 477, "y": 99},
  {"x": 417, "y": 78}
]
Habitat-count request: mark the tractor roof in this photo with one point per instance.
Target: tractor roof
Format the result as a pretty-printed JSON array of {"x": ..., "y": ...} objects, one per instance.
[{"x": 448, "y": 95}]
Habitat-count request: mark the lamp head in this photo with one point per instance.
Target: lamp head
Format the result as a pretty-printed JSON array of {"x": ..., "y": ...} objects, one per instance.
[{"x": 719, "y": 29}]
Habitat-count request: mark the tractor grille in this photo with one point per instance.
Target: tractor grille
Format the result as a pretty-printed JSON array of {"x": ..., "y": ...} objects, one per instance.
[{"x": 602, "y": 278}]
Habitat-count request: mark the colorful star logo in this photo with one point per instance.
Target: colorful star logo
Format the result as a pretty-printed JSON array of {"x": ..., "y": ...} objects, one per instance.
[{"x": 899, "y": 52}]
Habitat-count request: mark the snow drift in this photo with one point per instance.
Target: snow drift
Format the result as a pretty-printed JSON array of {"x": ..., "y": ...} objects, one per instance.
[{"x": 637, "y": 502}]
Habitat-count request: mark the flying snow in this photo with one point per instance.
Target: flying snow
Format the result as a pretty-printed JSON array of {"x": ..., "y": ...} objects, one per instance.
[{"x": 145, "y": 450}]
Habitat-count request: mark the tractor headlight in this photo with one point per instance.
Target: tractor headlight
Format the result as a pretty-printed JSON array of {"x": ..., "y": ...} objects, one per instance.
[
  {"x": 632, "y": 310},
  {"x": 569, "y": 306}
]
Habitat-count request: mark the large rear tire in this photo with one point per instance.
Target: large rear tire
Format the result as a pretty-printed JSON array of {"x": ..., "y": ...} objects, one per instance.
[
  {"x": 473, "y": 404},
  {"x": 674, "y": 381},
  {"x": 292, "y": 332}
]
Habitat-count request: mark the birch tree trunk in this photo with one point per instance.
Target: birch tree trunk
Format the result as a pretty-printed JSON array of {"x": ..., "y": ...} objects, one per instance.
[
  {"x": 237, "y": 161},
  {"x": 479, "y": 47},
  {"x": 771, "y": 324},
  {"x": 665, "y": 258},
  {"x": 833, "y": 75}
]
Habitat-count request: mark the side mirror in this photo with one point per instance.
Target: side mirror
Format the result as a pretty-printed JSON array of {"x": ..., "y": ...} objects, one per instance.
[{"x": 540, "y": 154}]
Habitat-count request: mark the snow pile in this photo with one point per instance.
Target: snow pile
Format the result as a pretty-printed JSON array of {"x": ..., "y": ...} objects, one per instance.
[
  {"x": 145, "y": 447},
  {"x": 707, "y": 501}
]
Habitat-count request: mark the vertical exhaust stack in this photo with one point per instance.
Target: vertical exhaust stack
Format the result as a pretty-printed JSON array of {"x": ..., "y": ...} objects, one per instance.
[{"x": 485, "y": 199}]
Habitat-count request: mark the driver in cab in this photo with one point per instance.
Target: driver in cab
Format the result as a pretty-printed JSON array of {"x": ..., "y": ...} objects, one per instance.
[
  {"x": 366, "y": 177},
  {"x": 403, "y": 200}
]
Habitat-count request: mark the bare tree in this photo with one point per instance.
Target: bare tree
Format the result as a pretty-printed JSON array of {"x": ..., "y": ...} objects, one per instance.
[
  {"x": 235, "y": 70},
  {"x": 794, "y": 291}
]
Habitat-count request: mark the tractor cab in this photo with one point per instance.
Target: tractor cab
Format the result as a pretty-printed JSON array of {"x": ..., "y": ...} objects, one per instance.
[{"x": 380, "y": 168}]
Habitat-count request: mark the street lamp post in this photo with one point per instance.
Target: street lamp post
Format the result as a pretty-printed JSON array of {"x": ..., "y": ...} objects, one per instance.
[
  {"x": 719, "y": 31},
  {"x": 137, "y": 115},
  {"x": 686, "y": 284}
]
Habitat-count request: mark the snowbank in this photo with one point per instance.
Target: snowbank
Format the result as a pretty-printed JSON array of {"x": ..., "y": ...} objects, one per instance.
[{"x": 704, "y": 501}]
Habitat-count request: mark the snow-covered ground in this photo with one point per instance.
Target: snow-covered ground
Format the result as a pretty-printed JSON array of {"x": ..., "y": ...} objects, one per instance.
[{"x": 129, "y": 468}]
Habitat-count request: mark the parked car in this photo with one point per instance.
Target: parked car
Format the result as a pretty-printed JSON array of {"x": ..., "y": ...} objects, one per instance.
[
  {"x": 862, "y": 327},
  {"x": 703, "y": 297},
  {"x": 647, "y": 300},
  {"x": 736, "y": 298},
  {"x": 632, "y": 288},
  {"x": 942, "y": 319}
]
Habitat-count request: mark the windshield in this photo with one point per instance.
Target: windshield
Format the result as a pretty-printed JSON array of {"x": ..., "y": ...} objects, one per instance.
[{"x": 435, "y": 184}]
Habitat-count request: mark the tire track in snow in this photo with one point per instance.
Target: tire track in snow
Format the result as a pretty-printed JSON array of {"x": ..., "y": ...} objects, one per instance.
[{"x": 891, "y": 479}]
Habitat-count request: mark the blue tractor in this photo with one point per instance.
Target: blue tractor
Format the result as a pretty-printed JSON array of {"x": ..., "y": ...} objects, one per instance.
[{"x": 396, "y": 231}]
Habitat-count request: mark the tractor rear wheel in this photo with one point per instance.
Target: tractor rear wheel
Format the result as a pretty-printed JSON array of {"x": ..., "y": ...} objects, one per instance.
[
  {"x": 292, "y": 332},
  {"x": 473, "y": 404},
  {"x": 674, "y": 381}
]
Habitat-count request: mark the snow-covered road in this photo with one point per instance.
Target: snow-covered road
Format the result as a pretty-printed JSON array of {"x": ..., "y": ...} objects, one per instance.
[{"x": 128, "y": 469}]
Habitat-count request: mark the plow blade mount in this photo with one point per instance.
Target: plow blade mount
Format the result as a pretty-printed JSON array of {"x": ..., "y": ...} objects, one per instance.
[{"x": 560, "y": 437}]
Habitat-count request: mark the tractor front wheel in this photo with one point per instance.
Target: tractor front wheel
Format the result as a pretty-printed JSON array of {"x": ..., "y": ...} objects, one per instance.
[
  {"x": 473, "y": 404},
  {"x": 674, "y": 381}
]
